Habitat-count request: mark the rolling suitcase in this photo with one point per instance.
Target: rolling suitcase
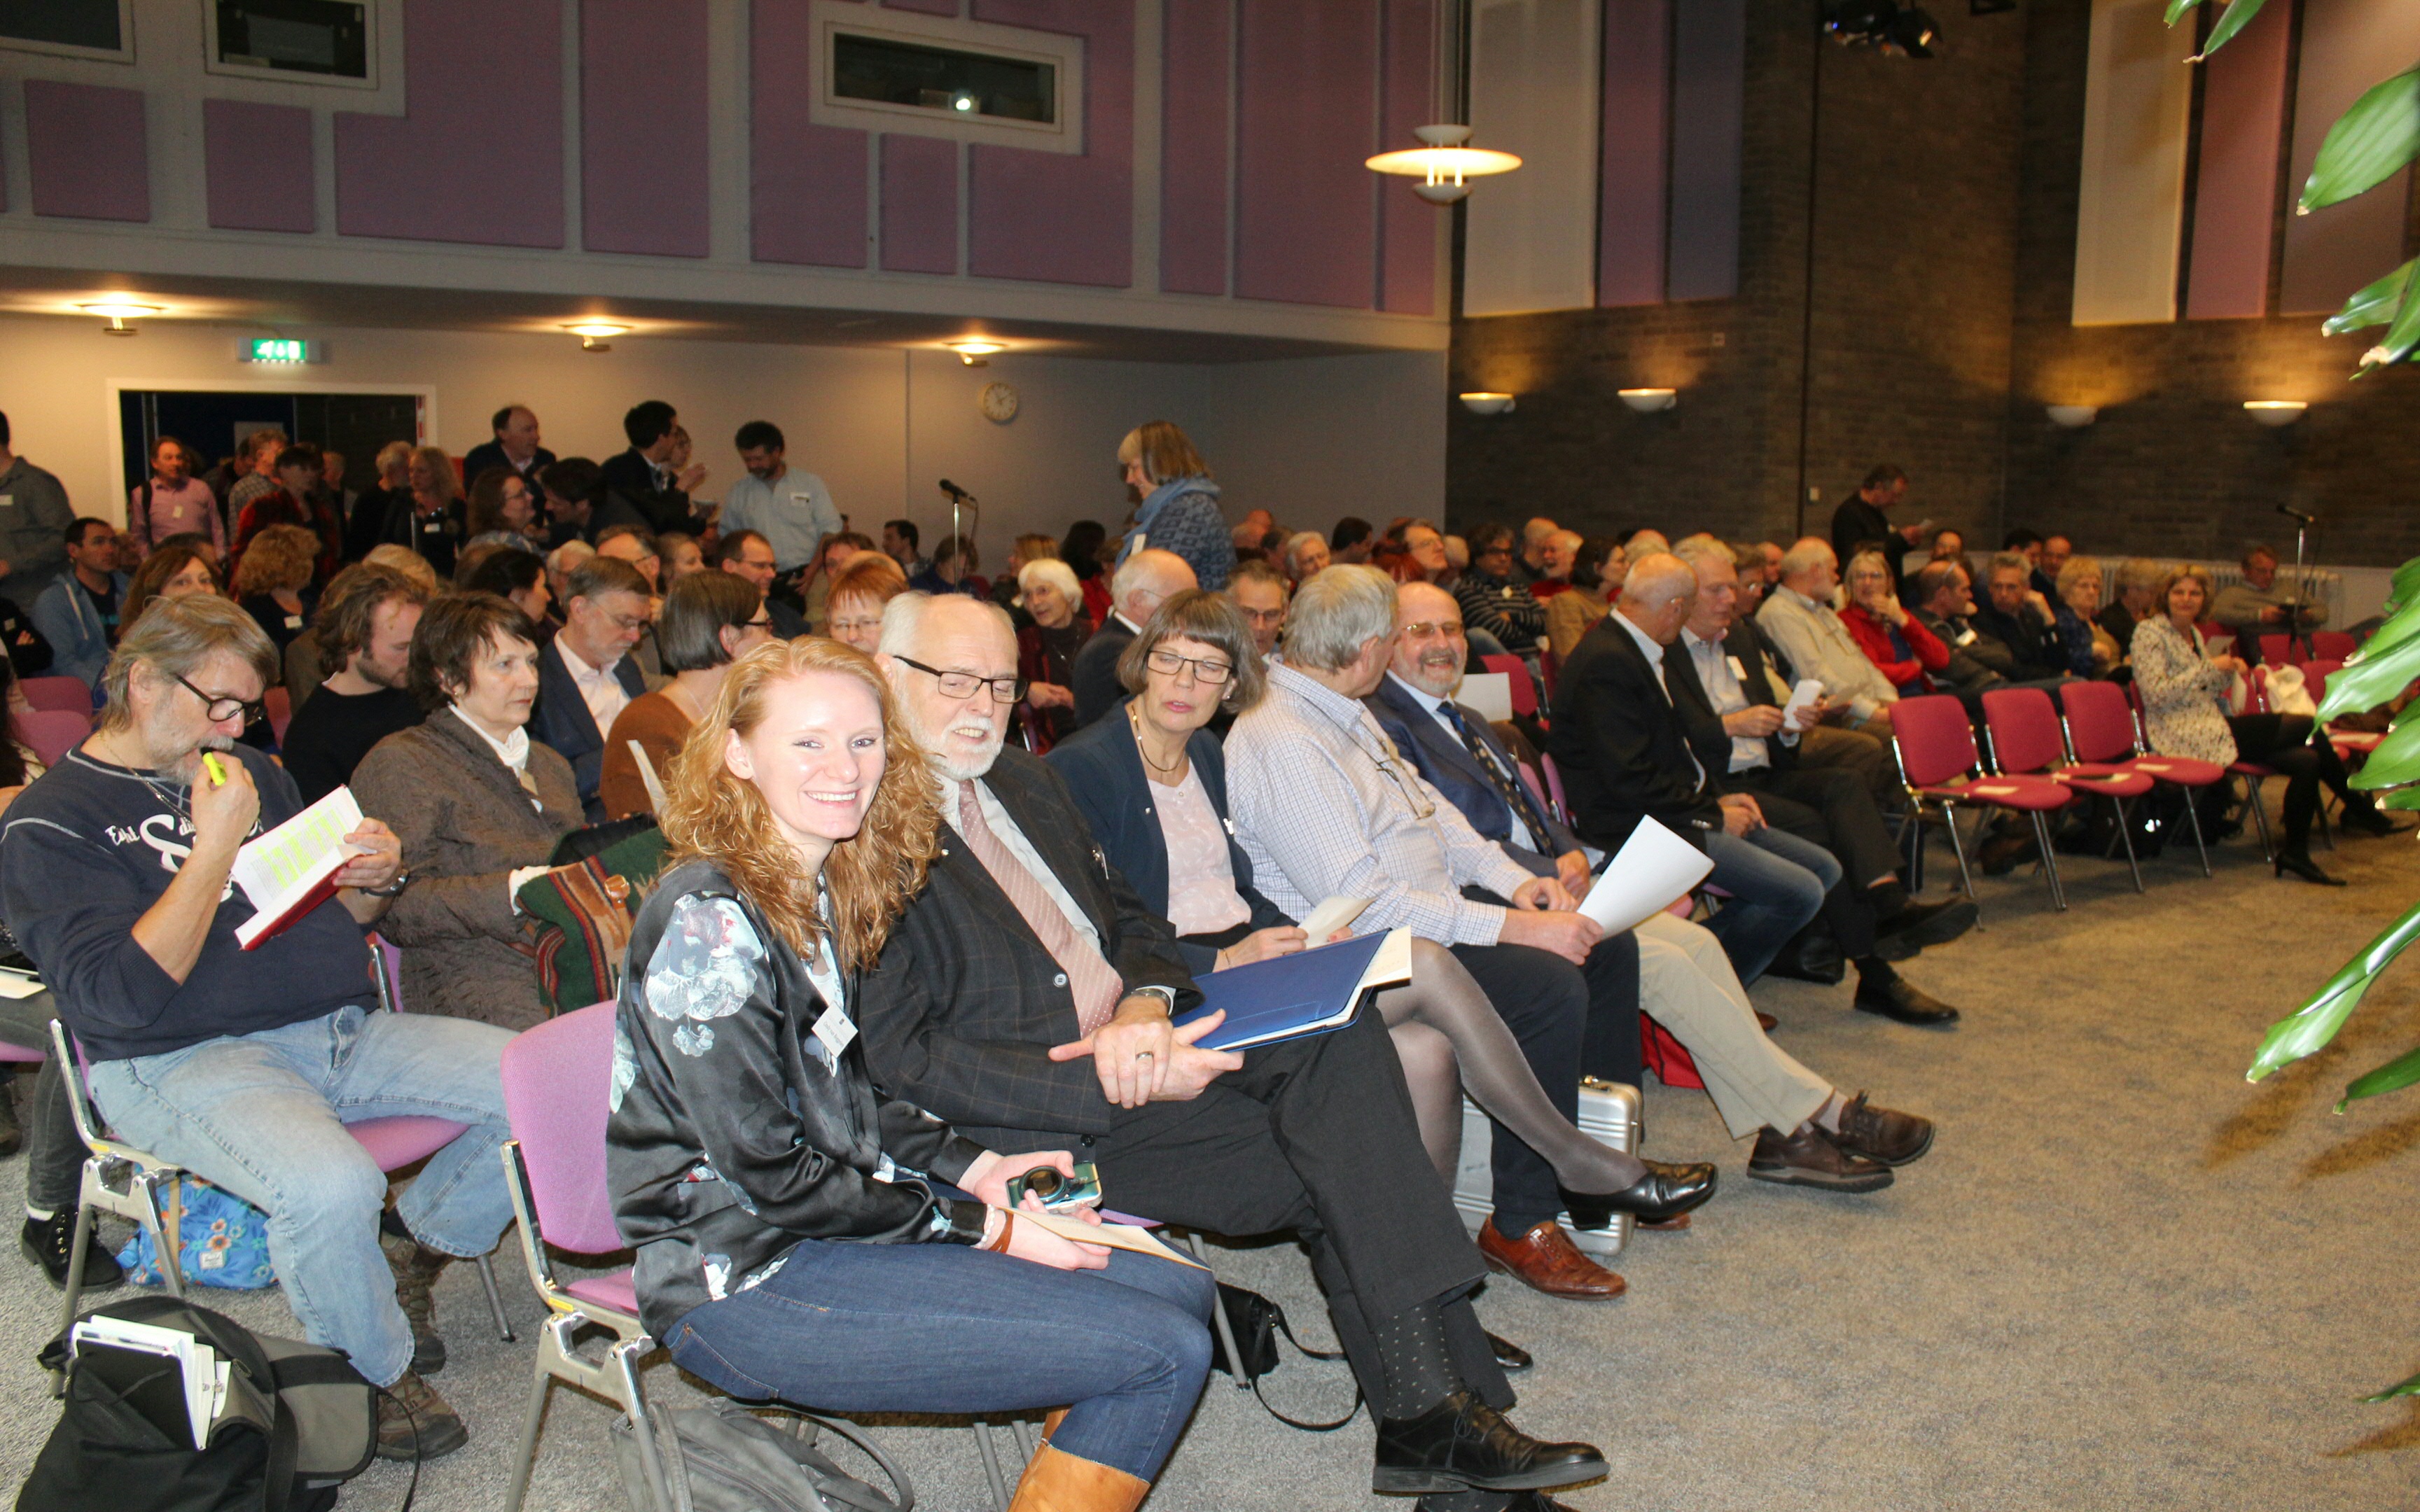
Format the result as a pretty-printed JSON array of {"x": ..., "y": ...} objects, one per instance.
[{"x": 1608, "y": 1113}]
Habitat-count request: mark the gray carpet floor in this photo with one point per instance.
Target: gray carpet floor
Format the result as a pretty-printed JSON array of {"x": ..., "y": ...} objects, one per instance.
[{"x": 2123, "y": 1278}]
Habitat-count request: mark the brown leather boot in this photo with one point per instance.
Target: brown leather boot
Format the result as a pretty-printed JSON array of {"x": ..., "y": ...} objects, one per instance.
[{"x": 1055, "y": 1482}]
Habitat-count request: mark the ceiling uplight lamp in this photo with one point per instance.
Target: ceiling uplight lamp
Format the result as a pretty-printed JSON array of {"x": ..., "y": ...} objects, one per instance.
[
  {"x": 1650, "y": 401},
  {"x": 2071, "y": 416},
  {"x": 2274, "y": 412},
  {"x": 1443, "y": 163},
  {"x": 1486, "y": 403},
  {"x": 977, "y": 353},
  {"x": 118, "y": 312},
  {"x": 596, "y": 336}
]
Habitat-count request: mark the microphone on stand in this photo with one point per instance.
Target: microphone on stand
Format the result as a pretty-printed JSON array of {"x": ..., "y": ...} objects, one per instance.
[
  {"x": 961, "y": 501},
  {"x": 2288, "y": 510}
]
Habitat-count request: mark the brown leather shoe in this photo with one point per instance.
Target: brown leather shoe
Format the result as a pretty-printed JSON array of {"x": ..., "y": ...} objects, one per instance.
[
  {"x": 1766, "y": 1022},
  {"x": 1809, "y": 1157},
  {"x": 1546, "y": 1259},
  {"x": 1882, "y": 1136}
]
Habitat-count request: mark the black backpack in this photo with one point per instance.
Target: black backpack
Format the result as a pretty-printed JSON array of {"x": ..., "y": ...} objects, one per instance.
[{"x": 302, "y": 1424}]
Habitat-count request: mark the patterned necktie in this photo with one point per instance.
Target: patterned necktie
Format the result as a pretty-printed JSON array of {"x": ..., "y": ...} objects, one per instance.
[
  {"x": 1093, "y": 984},
  {"x": 1516, "y": 796}
]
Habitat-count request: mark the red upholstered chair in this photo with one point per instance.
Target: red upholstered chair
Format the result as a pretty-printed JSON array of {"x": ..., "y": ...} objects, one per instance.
[
  {"x": 51, "y": 734},
  {"x": 1516, "y": 675},
  {"x": 2023, "y": 732},
  {"x": 69, "y": 693},
  {"x": 2101, "y": 732},
  {"x": 2332, "y": 645},
  {"x": 1940, "y": 769},
  {"x": 280, "y": 707},
  {"x": 2279, "y": 650}
]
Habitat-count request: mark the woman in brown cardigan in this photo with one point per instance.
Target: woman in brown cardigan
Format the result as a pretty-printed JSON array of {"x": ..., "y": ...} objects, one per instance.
[
  {"x": 710, "y": 620},
  {"x": 479, "y": 807}
]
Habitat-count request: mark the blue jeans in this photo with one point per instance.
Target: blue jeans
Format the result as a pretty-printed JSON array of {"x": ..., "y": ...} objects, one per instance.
[
  {"x": 942, "y": 1328},
  {"x": 1777, "y": 883},
  {"x": 263, "y": 1116}
]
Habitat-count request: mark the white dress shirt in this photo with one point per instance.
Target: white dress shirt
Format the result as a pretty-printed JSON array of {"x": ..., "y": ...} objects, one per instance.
[
  {"x": 1654, "y": 654},
  {"x": 1004, "y": 828},
  {"x": 1721, "y": 680},
  {"x": 792, "y": 512},
  {"x": 1820, "y": 646},
  {"x": 598, "y": 687},
  {"x": 1519, "y": 834}
]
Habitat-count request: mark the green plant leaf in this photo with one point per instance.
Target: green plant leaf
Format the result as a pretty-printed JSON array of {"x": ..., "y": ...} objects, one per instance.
[
  {"x": 2401, "y": 336},
  {"x": 2401, "y": 1388},
  {"x": 2369, "y": 144},
  {"x": 2312, "y": 1025},
  {"x": 2377, "y": 673},
  {"x": 2394, "y": 762},
  {"x": 2373, "y": 306},
  {"x": 2238, "y": 16},
  {"x": 2401, "y": 798},
  {"x": 2177, "y": 9},
  {"x": 2394, "y": 1076}
]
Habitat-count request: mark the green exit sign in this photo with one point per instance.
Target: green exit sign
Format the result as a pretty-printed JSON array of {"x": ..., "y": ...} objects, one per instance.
[{"x": 278, "y": 350}]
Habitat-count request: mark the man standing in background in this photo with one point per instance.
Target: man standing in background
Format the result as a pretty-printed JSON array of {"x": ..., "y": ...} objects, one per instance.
[
  {"x": 515, "y": 446},
  {"x": 34, "y": 519},
  {"x": 644, "y": 474},
  {"x": 792, "y": 509},
  {"x": 1862, "y": 519},
  {"x": 172, "y": 502}
]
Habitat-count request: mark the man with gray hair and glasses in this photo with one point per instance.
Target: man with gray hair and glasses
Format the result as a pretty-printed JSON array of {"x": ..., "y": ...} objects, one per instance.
[
  {"x": 1138, "y": 587},
  {"x": 244, "y": 1066}
]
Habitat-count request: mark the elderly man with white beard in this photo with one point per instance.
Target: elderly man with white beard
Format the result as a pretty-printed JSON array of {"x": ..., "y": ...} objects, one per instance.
[{"x": 1026, "y": 956}]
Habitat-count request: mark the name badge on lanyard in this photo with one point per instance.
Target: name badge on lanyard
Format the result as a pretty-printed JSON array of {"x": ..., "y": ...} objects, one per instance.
[
  {"x": 1737, "y": 671},
  {"x": 833, "y": 1033}
]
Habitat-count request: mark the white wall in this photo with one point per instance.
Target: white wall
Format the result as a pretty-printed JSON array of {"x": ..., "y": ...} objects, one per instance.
[{"x": 1311, "y": 438}]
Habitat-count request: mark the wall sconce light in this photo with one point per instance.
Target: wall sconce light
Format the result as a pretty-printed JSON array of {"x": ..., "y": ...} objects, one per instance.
[
  {"x": 1650, "y": 401},
  {"x": 2276, "y": 412},
  {"x": 2071, "y": 416},
  {"x": 596, "y": 336},
  {"x": 118, "y": 312},
  {"x": 977, "y": 353},
  {"x": 1487, "y": 403},
  {"x": 1443, "y": 163}
]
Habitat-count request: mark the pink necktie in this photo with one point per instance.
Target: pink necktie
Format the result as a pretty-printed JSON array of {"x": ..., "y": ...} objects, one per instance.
[{"x": 1090, "y": 980}]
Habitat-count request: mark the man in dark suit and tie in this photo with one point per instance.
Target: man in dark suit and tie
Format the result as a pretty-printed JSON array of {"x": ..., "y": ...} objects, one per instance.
[
  {"x": 644, "y": 476},
  {"x": 1141, "y": 582},
  {"x": 585, "y": 675},
  {"x": 1736, "y": 729},
  {"x": 1026, "y": 996},
  {"x": 515, "y": 446}
]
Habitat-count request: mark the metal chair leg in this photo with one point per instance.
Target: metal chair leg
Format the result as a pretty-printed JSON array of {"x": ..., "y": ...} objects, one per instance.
[
  {"x": 991, "y": 1465},
  {"x": 626, "y": 1354},
  {"x": 2252, "y": 786},
  {"x": 2193, "y": 813},
  {"x": 495, "y": 1301},
  {"x": 1218, "y": 1320},
  {"x": 1965, "y": 875},
  {"x": 525, "y": 1458},
  {"x": 2050, "y": 862},
  {"x": 2126, "y": 833}
]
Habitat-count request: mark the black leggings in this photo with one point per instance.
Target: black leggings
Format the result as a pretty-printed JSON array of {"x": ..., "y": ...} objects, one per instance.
[{"x": 2284, "y": 741}]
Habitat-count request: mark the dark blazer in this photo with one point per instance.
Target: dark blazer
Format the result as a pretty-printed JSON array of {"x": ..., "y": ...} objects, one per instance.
[
  {"x": 1104, "y": 777},
  {"x": 561, "y": 723},
  {"x": 491, "y": 454},
  {"x": 1097, "y": 686},
  {"x": 1621, "y": 745},
  {"x": 1707, "y": 737},
  {"x": 2035, "y": 648},
  {"x": 630, "y": 476},
  {"x": 1858, "y": 523},
  {"x": 436, "y": 538},
  {"x": 1453, "y": 771},
  {"x": 961, "y": 1011}
]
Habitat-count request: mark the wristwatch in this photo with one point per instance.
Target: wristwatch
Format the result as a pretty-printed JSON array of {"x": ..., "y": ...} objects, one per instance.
[
  {"x": 393, "y": 889},
  {"x": 1167, "y": 997}
]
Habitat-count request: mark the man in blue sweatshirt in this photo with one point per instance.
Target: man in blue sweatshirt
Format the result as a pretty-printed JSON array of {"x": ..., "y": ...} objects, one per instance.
[{"x": 78, "y": 612}]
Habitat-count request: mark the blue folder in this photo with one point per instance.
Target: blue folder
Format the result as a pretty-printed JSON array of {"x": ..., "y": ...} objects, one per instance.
[{"x": 1293, "y": 996}]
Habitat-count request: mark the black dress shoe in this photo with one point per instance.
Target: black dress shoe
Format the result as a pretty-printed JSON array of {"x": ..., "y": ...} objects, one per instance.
[
  {"x": 1664, "y": 1192},
  {"x": 2368, "y": 821},
  {"x": 1509, "y": 1357},
  {"x": 1463, "y": 1444},
  {"x": 1521, "y": 1502},
  {"x": 2304, "y": 867},
  {"x": 1811, "y": 956},
  {"x": 2000, "y": 854},
  {"x": 1900, "y": 999},
  {"x": 12, "y": 1136},
  {"x": 1925, "y": 924},
  {"x": 50, "y": 1242}
]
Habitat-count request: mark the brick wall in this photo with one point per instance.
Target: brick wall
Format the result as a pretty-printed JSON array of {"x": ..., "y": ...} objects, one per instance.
[{"x": 1944, "y": 228}]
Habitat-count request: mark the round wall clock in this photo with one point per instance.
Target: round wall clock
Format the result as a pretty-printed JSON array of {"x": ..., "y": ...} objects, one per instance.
[{"x": 999, "y": 403}]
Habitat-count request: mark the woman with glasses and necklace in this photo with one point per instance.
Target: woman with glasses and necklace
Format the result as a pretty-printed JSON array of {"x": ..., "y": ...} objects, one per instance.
[
  {"x": 710, "y": 620},
  {"x": 479, "y": 807},
  {"x": 1152, "y": 784}
]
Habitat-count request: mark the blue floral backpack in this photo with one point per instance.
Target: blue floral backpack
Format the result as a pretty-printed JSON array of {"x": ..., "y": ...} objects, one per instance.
[{"x": 220, "y": 1240}]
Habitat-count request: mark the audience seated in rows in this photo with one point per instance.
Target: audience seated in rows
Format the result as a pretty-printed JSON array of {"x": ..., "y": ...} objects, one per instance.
[
  {"x": 2257, "y": 604},
  {"x": 274, "y": 581},
  {"x": 750, "y": 557},
  {"x": 365, "y": 627},
  {"x": 1895, "y": 640},
  {"x": 503, "y": 509},
  {"x": 478, "y": 806},
  {"x": 2017, "y": 617},
  {"x": 1495, "y": 603},
  {"x": 860, "y": 591},
  {"x": 1261, "y": 591},
  {"x": 586, "y": 675},
  {"x": 216, "y": 1057},
  {"x": 1021, "y": 960},
  {"x": 710, "y": 620},
  {"x": 1052, "y": 638},
  {"x": 1597, "y": 570},
  {"x": 1798, "y": 617}
]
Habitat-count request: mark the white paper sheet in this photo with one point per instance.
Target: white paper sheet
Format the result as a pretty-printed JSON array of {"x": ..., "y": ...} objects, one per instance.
[
  {"x": 1806, "y": 693},
  {"x": 1490, "y": 693},
  {"x": 1653, "y": 867},
  {"x": 1337, "y": 913}
]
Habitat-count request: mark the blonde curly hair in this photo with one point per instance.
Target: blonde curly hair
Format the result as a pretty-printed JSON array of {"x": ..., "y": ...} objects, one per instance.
[{"x": 712, "y": 815}]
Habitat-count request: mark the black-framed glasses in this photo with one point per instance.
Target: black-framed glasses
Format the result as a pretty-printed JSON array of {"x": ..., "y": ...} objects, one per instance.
[
  {"x": 1169, "y": 664},
  {"x": 963, "y": 684},
  {"x": 220, "y": 708}
]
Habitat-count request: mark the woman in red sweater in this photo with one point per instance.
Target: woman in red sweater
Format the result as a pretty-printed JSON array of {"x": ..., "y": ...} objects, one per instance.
[{"x": 1891, "y": 638}]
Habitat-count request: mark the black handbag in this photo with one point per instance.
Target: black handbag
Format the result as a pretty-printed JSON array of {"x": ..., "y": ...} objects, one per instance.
[{"x": 1256, "y": 1321}]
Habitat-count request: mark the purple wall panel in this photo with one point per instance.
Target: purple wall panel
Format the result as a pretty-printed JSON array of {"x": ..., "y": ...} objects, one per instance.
[
  {"x": 1633, "y": 159},
  {"x": 257, "y": 163},
  {"x": 1306, "y": 216},
  {"x": 1709, "y": 87},
  {"x": 920, "y": 204},
  {"x": 930, "y": 8},
  {"x": 2235, "y": 187},
  {"x": 1195, "y": 37},
  {"x": 1054, "y": 216},
  {"x": 807, "y": 184},
  {"x": 84, "y": 147},
  {"x": 483, "y": 92},
  {"x": 642, "y": 153},
  {"x": 1407, "y": 225}
]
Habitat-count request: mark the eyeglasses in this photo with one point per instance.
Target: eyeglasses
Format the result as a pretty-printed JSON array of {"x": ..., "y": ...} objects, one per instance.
[
  {"x": 220, "y": 708},
  {"x": 762, "y": 622},
  {"x": 873, "y": 622},
  {"x": 1433, "y": 630},
  {"x": 629, "y": 624},
  {"x": 1169, "y": 664},
  {"x": 963, "y": 684}
]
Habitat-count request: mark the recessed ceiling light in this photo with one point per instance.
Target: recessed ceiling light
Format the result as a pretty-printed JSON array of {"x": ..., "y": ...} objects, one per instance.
[
  {"x": 973, "y": 350},
  {"x": 597, "y": 328},
  {"x": 118, "y": 309}
]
